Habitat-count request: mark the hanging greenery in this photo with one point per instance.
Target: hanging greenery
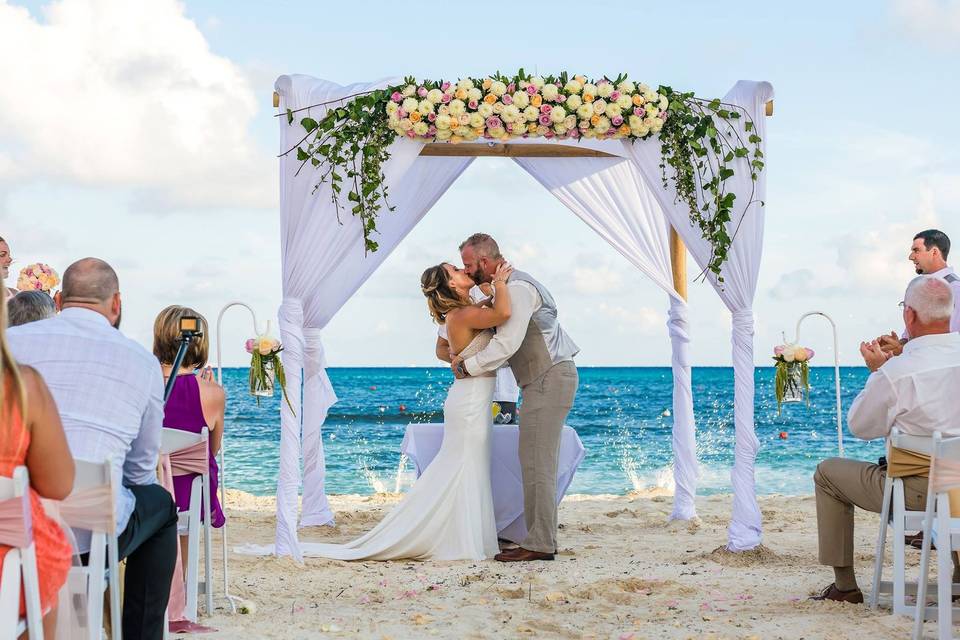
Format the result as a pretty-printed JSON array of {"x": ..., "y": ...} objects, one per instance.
[{"x": 699, "y": 140}]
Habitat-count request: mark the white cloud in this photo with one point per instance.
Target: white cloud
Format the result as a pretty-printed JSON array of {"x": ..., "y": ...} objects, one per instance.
[
  {"x": 114, "y": 93},
  {"x": 936, "y": 23},
  {"x": 643, "y": 320},
  {"x": 597, "y": 280}
]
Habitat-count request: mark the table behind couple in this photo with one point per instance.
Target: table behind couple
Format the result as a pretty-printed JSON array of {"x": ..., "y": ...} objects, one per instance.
[{"x": 421, "y": 442}]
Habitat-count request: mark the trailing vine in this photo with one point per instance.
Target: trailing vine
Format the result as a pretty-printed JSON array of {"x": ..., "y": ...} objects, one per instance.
[{"x": 700, "y": 141}]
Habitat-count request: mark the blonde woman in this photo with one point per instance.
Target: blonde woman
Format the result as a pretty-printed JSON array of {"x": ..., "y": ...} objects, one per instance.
[{"x": 448, "y": 514}]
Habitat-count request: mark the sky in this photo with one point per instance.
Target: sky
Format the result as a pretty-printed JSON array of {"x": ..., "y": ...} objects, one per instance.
[{"x": 143, "y": 133}]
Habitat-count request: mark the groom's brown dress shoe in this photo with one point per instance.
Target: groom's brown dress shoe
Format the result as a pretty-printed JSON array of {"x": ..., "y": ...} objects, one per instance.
[
  {"x": 521, "y": 555},
  {"x": 854, "y": 596}
]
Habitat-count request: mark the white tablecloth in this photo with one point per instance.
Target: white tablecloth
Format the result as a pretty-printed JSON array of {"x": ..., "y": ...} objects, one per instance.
[{"x": 422, "y": 441}]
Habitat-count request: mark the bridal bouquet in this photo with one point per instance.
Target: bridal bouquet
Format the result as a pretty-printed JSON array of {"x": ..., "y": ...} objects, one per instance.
[
  {"x": 38, "y": 277},
  {"x": 792, "y": 381},
  {"x": 266, "y": 367}
]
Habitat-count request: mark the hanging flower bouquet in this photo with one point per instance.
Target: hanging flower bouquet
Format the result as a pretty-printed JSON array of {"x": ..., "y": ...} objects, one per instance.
[
  {"x": 266, "y": 368},
  {"x": 38, "y": 277},
  {"x": 792, "y": 381}
]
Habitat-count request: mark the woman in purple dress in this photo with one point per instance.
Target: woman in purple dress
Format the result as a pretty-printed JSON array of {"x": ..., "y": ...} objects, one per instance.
[{"x": 196, "y": 400}]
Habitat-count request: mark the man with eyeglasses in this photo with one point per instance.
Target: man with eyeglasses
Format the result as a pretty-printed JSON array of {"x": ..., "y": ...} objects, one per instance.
[{"x": 928, "y": 253}]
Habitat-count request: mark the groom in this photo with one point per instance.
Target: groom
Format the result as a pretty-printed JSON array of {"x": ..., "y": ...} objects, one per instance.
[{"x": 541, "y": 356}]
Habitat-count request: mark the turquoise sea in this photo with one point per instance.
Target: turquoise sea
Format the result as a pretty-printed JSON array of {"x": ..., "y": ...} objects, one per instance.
[{"x": 621, "y": 414}]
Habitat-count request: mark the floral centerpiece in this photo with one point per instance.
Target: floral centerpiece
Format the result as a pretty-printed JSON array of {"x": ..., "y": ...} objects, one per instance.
[
  {"x": 266, "y": 368},
  {"x": 792, "y": 381},
  {"x": 38, "y": 277}
]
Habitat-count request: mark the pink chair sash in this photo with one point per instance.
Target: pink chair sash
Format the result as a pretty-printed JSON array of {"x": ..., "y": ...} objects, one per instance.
[
  {"x": 91, "y": 509},
  {"x": 945, "y": 477},
  {"x": 192, "y": 459},
  {"x": 15, "y": 522},
  {"x": 177, "y": 602}
]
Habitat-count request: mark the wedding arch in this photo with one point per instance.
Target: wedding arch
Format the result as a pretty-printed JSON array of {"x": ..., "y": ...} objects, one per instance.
[{"x": 620, "y": 175}]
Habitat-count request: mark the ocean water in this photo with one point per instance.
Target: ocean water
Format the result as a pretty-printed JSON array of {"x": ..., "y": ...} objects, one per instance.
[{"x": 622, "y": 415}]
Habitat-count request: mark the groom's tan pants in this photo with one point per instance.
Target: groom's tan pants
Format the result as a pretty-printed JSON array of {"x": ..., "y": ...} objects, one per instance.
[
  {"x": 842, "y": 484},
  {"x": 546, "y": 403}
]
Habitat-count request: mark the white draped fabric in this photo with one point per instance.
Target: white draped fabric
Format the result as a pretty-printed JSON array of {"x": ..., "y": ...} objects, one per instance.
[
  {"x": 612, "y": 198},
  {"x": 624, "y": 201},
  {"x": 737, "y": 292}
]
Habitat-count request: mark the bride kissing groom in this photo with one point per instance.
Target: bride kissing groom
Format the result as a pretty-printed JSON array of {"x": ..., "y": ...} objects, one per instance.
[{"x": 448, "y": 514}]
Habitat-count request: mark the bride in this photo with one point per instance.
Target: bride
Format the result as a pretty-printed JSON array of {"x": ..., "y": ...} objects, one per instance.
[{"x": 448, "y": 513}]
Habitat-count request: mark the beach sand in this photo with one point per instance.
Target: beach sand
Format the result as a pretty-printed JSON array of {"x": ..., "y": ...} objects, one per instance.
[{"x": 622, "y": 572}]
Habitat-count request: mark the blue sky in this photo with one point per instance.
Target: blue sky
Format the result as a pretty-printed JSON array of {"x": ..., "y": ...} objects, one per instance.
[{"x": 142, "y": 133}]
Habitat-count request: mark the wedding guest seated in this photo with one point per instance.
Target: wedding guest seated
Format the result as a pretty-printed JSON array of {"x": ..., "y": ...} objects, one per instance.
[
  {"x": 916, "y": 392},
  {"x": 195, "y": 402},
  {"x": 31, "y": 435},
  {"x": 30, "y": 306},
  {"x": 109, "y": 391}
]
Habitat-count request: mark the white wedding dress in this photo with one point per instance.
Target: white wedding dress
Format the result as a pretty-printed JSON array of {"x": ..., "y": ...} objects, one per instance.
[{"x": 448, "y": 513}]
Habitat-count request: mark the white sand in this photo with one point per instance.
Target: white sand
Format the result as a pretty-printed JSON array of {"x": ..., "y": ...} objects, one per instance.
[{"x": 622, "y": 573}]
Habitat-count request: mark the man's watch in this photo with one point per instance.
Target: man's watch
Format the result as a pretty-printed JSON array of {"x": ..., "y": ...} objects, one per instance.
[{"x": 462, "y": 369}]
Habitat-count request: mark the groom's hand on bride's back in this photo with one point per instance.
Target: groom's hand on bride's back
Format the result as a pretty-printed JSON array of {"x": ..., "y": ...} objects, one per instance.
[{"x": 459, "y": 370}]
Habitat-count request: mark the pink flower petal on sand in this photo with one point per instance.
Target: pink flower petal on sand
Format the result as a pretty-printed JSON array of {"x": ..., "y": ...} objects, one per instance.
[{"x": 626, "y": 636}]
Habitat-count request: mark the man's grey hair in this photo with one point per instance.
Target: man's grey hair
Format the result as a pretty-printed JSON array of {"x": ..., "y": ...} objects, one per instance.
[
  {"x": 29, "y": 306},
  {"x": 931, "y": 298},
  {"x": 483, "y": 244},
  {"x": 89, "y": 280}
]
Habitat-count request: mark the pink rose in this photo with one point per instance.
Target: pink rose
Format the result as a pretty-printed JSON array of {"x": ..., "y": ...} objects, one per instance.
[
  {"x": 507, "y": 99},
  {"x": 531, "y": 89},
  {"x": 446, "y": 98},
  {"x": 444, "y": 86},
  {"x": 544, "y": 119},
  {"x": 493, "y": 122},
  {"x": 422, "y": 92},
  {"x": 778, "y": 350},
  {"x": 401, "y": 113},
  {"x": 431, "y": 116},
  {"x": 561, "y": 98},
  {"x": 396, "y": 96},
  {"x": 616, "y": 121},
  {"x": 432, "y": 131},
  {"x": 614, "y": 96},
  {"x": 511, "y": 88},
  {"x": 574, "y": 133},
  {"x": 549, "y": 134},
  {"x": 473, "y": 104},
  {"x": 639, "y": 111},
  {"x": 249, "y": 346},
  {"x": 411, "y": 134},
  {"x": 545, "y": 108}
]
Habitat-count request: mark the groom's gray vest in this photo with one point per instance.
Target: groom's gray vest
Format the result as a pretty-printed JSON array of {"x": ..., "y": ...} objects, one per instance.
[{"x": 545, "y": 343}]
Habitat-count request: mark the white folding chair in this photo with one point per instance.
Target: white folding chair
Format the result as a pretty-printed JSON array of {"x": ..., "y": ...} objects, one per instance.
[
  {"x": 944, "y": 531},
  {"x": 91, "y": 506},
  {"x": 16, "y": 530},
  {"x": 902, "y": 521},
  {"x": 189, "y": 454}
]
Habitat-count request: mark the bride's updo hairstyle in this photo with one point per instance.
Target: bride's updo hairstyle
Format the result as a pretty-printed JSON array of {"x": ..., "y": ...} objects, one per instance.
[{"x": 441, "y": 297}]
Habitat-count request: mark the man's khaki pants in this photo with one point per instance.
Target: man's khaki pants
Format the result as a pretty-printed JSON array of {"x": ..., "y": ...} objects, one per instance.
[{"x": 843, "y": 484}]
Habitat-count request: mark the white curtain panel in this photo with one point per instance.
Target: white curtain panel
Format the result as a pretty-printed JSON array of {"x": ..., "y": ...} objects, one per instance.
[
  {"x": 611, "y": 196},
  {"x": 323, "y": 265},
  {"x": 737, "y": 292}
]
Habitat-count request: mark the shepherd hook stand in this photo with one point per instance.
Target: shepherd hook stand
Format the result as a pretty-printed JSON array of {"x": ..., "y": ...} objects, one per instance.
[
  {"x": 223, "y": 469},
  {"x": 836, "y": 370}
]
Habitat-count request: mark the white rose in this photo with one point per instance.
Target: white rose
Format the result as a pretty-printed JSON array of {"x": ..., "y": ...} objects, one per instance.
[
  {"x": 599, "y": 106},
  {"x": 465, "y": 84},
  {"x": 420, "y": 128},
  {"x": 590, "y": 88},
  {"x": 537, "y": 81},
  {"x": 550, "y": 92},
  {"x": 511, "y": 113},
  {"x": 573, "y": 102},
  {"x": 485, "y": 110},
  {"x": 570, "y": 122},
  {"x": 521, "y": 99},
  {"x": 650, "y": 96},
  {"x": 498, "y": 107},
  {"x": 410, "y": 105},
  {"x": 559, "y": 129},
  {"x": 558, "y": 114},
  {"x": 604, "y": 89},
  {"x": 464, "y": 118},
  {"x": 392, "y": 108},
  {"x": 612, "y": 110},
  {"x": 469, "y": 134},
  {"x": 444, "y": 134},
  {"x": 443, "y": 122},
  {"x": 457, "y": 107},
  {"x": 405, "y": 124},
  {"x": 790, "y": 352},
  {"x": 635, "y": 122},
  {"x": 663, "y": 102},
  {"x": 542, "y": 129},
  {"x": 408, "y": 91},
  {"x": 425, "y": 107},
  {"x": 641, "y": 131},
  {"x": 394, "y": 121},
  {"x": 573, "y": 86},
  {"x": 474, "y": 94},
  {"x": 642, "y": 88},
  {"x": 476, "y": 120},
  {"x": 626, "y": 87},
  {"x": 498, "y": 88},
  {"x": 648, "y": 122},
  {"x": 657, "y": 125},
  {"x": 603, "y": 124},
  {"x": 531, "y": 114},
  {"x": 585, "y": 111},
  {"x": 624, "y": 102},
  {"x": 434, "y": 95}
]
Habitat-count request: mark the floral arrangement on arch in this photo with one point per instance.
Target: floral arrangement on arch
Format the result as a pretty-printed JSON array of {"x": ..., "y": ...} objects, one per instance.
[
  {"x": 266, "y": 368},
  {"x": 495, "y": 110},
  {"x": 792, "y": 379},
  {"x": 38, "y": 277},
  {"x": 699, "y": 142}
]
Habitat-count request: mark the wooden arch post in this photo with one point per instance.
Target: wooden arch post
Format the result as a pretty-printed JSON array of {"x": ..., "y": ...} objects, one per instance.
[{"x": 678, "y": 250}]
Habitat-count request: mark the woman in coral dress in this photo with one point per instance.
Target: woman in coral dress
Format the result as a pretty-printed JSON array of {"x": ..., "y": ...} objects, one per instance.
[{"x": 31, "y": 435}]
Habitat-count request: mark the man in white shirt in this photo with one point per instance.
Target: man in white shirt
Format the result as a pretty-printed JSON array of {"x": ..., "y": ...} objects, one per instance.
[
  {"x": 928, "y": 253},
  {"x": 109, "y": 391},
  {"x": 916, "y": 392}
]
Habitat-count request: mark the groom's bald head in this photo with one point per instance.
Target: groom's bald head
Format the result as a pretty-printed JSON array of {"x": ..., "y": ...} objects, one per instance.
[{"x": 481, "y": 255}]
